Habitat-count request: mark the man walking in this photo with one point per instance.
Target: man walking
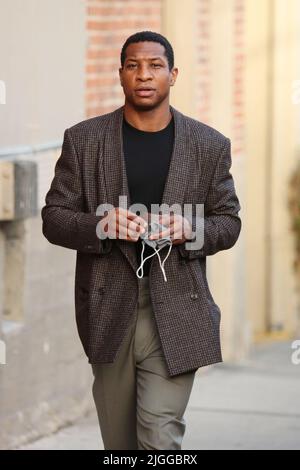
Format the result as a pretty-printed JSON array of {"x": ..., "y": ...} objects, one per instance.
[{"x": 146, "y": 325}]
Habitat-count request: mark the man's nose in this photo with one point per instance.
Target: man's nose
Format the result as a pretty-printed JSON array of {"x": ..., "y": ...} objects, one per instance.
[{"x": 144, "y": 73}]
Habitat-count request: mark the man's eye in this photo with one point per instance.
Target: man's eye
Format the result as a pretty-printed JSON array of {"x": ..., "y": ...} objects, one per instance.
[
  {"x": 156, "y": 65},
  {"x": 131, "y": 65}
]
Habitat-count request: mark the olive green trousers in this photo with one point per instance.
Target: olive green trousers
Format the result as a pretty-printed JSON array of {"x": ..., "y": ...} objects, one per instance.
[{"x": 139, "y": 405}]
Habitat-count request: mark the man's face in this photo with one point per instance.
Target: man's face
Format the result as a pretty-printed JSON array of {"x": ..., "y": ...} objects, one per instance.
[{"x": 145, "y": 76}]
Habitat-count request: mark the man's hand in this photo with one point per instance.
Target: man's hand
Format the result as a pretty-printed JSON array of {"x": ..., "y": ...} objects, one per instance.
[
  {"x": 179, "y": 228},
  {"x": 123, "y": 224}
]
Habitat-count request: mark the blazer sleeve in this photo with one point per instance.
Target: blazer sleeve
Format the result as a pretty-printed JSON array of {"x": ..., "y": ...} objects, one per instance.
[
  {"x": 64, "y": 221},
  {"x": 221, "y": 225}
]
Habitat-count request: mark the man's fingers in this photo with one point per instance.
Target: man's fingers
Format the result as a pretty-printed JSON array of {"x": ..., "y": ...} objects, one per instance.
[
  {"x": 124, "y": 222},
  {"x": 175, "y": 231},
  {"x": 134, "y": 227},
  {"x": 128, "y": 225},
  {"x": 125, "y": 234},
  {"x": 130, "y": 215},
  {"x": 128, "y": 228},
  {"x": 127, "y": 214},
  {"x": 163, "y": 234},
  {"x": 137, "y": 219},
  {"x": 167, "y": 219},
  {"x": 119, "y": 223}
]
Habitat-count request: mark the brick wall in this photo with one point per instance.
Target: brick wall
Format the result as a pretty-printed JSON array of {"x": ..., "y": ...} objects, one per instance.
[{"x": 109, "y": 23}]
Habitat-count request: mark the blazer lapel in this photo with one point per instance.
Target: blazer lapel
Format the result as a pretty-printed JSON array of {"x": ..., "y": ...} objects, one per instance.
[{"x": 115, "y": 176}]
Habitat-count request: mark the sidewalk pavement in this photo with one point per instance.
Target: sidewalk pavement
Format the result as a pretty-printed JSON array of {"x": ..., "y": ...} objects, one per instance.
[{"x": 254, "y": 404}]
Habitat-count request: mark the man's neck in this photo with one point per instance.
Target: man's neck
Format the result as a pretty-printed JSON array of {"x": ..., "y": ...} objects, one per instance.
[{"x": 151, "y": 121}]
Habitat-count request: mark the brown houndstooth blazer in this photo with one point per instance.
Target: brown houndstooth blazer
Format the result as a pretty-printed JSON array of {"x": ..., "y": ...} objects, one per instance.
[{"x": 91, "y": 171}]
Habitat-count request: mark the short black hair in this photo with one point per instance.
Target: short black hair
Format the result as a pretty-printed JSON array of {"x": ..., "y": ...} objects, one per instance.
[{"x": 149, "y": 36}]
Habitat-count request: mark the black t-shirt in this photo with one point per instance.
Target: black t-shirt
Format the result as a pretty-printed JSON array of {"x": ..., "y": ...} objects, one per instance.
[{"x": 147, "y": 159}]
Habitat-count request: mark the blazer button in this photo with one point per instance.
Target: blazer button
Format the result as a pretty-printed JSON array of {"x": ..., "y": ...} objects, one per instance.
[{"x": 194, "y": 296}]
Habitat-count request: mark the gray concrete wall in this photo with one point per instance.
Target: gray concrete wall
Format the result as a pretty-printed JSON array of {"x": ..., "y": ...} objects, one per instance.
[
  {"x": 46, "y": 381},
  {"x": 42, "y": 50}
]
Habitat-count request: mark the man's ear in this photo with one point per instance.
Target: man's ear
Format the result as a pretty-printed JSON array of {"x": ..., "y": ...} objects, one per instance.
[{"x": 174, "y": 73}]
